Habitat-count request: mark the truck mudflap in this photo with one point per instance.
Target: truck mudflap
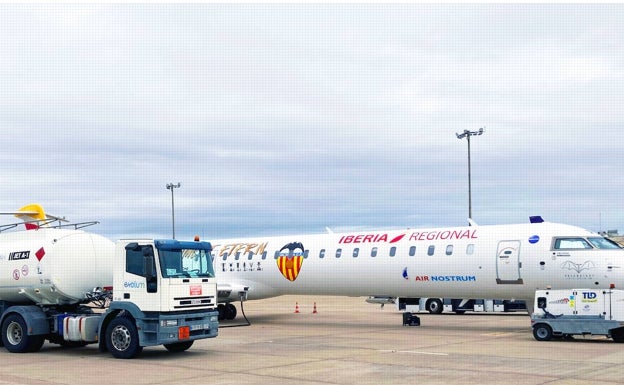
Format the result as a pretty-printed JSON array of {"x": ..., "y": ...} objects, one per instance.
[{"x": 35, "y": 318}]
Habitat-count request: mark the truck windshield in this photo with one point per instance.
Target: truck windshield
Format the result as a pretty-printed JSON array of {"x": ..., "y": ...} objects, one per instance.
[
  {"x": 188, "y": 263},
  {"x": 603, "y": 243}
]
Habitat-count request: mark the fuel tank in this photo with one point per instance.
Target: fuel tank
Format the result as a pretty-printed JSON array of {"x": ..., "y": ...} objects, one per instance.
[{"x": 52, "y": 266}]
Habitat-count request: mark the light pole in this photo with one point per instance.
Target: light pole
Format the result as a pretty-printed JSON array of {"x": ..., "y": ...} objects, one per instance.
[
  {"x": 467, "y": 134},
  {"x": 171, "y": 186}
]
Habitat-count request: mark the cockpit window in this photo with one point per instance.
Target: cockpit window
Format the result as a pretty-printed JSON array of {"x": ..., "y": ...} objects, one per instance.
[
  {"x": 603, "y": 243},
  {"x": 571, "y": 244}
]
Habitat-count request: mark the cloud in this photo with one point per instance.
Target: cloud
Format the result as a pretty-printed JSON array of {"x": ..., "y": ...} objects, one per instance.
[{"x": 286, "y": 119}]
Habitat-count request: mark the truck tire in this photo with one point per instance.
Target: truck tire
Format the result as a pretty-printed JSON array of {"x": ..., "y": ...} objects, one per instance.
[
  {"x": 434, "y": 306},
  {"x": 122, "y": 338},
  {"x": 15, "y": 336},
  {"x": 542, "y": 332},
  {"x": 617, "y": 335},
  {"x": 179, "y": 346}
]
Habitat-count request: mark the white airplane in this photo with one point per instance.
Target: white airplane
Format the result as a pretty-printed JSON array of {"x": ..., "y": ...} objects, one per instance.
[{"x": 501, "y": 261}]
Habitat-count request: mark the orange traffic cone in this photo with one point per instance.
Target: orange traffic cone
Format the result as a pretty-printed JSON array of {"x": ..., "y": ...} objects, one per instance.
[
  {"x": 296, "y": 307},
  {"x": 314, "y": 310}
]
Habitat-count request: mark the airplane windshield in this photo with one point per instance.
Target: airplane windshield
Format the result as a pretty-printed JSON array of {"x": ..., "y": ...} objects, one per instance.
[
  {"x": 603, "y": 243},
  {"x": 187, "y": 263}
]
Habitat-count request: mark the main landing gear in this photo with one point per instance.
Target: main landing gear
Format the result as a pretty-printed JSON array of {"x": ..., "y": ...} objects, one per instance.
[{"x": 226, "y": 311}]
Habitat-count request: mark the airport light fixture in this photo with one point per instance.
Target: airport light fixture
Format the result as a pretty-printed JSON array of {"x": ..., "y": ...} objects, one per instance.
[
  {"x": 171, "y": 186},
  {"x": 467, "y": 134}
]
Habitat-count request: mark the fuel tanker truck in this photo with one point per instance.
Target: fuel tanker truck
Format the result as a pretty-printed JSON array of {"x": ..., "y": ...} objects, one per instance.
[{"x": 153, "y": 292}]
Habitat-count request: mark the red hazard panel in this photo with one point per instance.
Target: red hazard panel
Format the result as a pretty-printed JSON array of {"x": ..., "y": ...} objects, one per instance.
[
  {"x": 184, "y": 333},
  {"x": 40, "y": 253},
  {"x": 195, "y": 290}
]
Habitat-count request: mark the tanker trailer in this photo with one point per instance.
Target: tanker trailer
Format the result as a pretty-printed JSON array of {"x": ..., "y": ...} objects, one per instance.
[{"x": 164, "y": 292}]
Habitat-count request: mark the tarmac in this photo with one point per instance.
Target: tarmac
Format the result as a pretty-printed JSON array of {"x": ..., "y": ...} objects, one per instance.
[{"x": 347, "y": 341}]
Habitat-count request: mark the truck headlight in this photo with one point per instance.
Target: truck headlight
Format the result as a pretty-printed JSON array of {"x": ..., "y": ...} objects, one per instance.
[{"x": 169, "y": 322}]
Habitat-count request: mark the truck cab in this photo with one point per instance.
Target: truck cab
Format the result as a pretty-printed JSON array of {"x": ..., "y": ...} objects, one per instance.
[
  {"x": 164, "y": 275},
  {"x": 168, "y": 289}
]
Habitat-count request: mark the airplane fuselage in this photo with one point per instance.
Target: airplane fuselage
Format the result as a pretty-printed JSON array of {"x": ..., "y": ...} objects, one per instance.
[{"x": 501, "y": 261}]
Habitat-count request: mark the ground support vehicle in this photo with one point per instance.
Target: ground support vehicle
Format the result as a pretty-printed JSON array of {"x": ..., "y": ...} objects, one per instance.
[
  {"x": 457, "y": 305},
  {"x": 156, "y": 292},
  {"x": 566, "y": 313}
]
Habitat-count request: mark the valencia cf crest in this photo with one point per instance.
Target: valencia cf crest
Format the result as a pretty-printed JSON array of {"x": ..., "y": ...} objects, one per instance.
[{"x": 290, "y": 260}]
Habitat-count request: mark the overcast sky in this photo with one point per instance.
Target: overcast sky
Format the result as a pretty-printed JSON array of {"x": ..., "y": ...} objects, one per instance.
[{"x": 285, "y": 119}]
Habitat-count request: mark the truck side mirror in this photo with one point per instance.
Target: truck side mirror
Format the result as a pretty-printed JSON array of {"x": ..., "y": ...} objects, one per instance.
[
  {"x": 150, "y": 270},
  {"x": 148, "y": 262},
  {"x": 541, "y": 302}
]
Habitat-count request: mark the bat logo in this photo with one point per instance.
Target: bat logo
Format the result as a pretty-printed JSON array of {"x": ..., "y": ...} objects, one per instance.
[
  {"x": 290, "y": 260},
  {"x": 578, "y": 267}
]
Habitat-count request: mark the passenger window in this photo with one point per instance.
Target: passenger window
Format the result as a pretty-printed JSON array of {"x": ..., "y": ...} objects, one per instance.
[
  {"x": 237, "y": 256},
  {"x": 277, "y": 253},
  {"x": 306, "y": 253},
  {"x": 470, "y": 249},
  {"x": 374, "y": 252},
  {"x": 449, "y": 249},
  {"x": 356, "y": 251},
  {"x": 225, "y": 255},
  {"x": 322, "y": 253},
  {"x": 264, "y": 254},
  {"x": 251, "y": 254},
  {"x": 412, "y": 251},
  {"x": 338, "y": 253},
  {"x": 393, "y": 251},
  {"x": 431, "y": 250}
]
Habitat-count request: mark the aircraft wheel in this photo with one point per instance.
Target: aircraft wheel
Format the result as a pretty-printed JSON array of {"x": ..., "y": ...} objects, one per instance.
[
  {"x": 15, "y": 336},
  {"x": 221, "y": 310},
  {"x": 542, "y": 332},
  {"x": 230, "y": 311},
  {"x": 434, "y": 306}
]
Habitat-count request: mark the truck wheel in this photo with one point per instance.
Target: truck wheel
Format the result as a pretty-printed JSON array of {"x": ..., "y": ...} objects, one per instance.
[
  {"x": 617, "y": 335},
  {"x": 15, "y": 337},
  {"x": 179, "y": 346},
  {"x": 542, "y": 332},
  {"x": 434, "y": 306},
  {"x": 122, "y": 338}
]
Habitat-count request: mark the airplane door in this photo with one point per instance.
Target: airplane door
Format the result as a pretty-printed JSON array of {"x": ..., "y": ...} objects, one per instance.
[{"x": 508, "y": 263}]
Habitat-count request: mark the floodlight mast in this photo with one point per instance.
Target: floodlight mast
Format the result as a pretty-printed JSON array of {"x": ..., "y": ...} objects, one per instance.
[
  {"x": 467, "y": 134},
  {"x": 171, "y": 186}
]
